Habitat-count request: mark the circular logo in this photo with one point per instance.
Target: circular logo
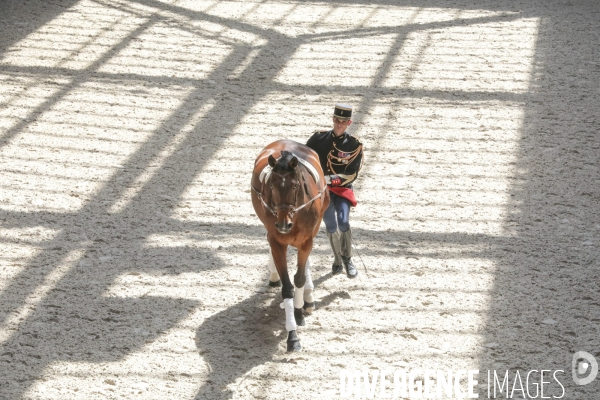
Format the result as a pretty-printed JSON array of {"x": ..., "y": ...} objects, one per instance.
[{"x": 584, "y": 364}]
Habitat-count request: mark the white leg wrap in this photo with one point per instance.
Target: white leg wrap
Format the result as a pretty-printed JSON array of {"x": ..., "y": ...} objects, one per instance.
[
  {"x": 309, "y": 283},
  {"x": 308, "y": 296},
  {"x": 299, "y": 297},
  {"x": 290, "y": 321},
  {"x": 274, "y": 277},
  {"x": 309, "y": 286}
]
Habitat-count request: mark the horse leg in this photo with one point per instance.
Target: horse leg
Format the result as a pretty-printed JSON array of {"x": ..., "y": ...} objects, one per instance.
[
  {"x": 309, "y": 302},
  {"x": 279, "y": 253},
  {"x": 300, "y": 281},
  {"x": 298, "y": 304},
  {"x": 274, "y": 280}
]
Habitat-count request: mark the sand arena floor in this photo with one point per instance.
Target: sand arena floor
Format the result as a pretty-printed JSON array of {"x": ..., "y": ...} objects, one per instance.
[{"x": 133, "y": 265}]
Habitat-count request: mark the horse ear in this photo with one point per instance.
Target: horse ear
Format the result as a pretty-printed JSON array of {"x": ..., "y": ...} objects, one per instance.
[
  {"x": 272, "y": 161},
  {"x": 293, "y": 162}
]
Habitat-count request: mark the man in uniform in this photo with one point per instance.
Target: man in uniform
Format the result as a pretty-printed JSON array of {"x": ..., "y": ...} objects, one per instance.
[{"x": 341, "y": 157}]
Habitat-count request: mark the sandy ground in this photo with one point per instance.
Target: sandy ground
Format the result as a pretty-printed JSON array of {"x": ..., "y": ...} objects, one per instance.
[{"x": 133, "y": 266}]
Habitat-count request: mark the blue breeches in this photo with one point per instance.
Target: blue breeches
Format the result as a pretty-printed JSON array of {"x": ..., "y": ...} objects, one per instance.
[{"x": 337, "y": 214}]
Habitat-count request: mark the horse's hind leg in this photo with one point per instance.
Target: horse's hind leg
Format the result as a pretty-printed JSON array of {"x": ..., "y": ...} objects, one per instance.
[
  {"x": 274, "y": 280},
  {"x": 309, "y": 302}
]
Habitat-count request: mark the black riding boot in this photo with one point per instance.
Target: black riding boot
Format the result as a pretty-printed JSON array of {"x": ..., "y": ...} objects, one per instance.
[
  {"x": 346, "y": 242},
  {"x": 334, "y": 241}
]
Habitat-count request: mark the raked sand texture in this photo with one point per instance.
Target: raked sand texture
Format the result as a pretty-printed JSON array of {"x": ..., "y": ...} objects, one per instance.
[{"x": 132, "y": 265}]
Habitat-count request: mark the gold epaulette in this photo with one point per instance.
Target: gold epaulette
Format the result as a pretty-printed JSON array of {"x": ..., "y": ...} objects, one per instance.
[{"x": 356, "y": 138}]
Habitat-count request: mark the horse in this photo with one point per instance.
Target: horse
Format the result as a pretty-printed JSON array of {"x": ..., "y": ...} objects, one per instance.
[{"x": 290, "y": 196}]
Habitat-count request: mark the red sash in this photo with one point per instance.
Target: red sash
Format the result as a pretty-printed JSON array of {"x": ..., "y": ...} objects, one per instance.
[{"x": 344, "y": 192}]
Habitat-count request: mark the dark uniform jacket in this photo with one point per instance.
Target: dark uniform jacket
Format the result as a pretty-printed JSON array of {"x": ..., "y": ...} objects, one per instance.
[{"x": 341, "y": 156}]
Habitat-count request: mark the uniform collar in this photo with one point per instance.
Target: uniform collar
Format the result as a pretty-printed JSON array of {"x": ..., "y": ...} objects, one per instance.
[{"x": 338, "y": 137}]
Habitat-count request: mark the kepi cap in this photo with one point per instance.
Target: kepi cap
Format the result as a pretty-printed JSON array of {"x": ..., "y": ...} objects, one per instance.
[{"x": 342, "y": 111}]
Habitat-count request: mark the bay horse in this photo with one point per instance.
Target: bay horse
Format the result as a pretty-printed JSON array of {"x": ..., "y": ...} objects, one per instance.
[{"x": 290, "y": 196}]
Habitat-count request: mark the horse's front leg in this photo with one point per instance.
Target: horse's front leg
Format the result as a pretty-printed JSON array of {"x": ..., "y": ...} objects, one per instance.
[
  {"x": 274, "y": 280},
  {"x": 279, "y": 253},
  {"x": 300, "y": 280}
]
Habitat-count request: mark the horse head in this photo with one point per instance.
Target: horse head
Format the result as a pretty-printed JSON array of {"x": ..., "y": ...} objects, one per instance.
[{"x": 284, "y": 184}]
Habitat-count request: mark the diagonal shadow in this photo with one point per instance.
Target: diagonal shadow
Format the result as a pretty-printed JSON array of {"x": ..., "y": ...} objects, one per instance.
[
  {"x": 164, "y": 180},
  {"x": 19, "y": 15},
  {"x": 136, "y": 220},
  {"x": 545, "y": 302},
  {"x": 76, "y": 322}
]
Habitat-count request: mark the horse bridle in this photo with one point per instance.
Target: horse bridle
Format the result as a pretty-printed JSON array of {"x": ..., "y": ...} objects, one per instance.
[{"x": 292, "y": 213}]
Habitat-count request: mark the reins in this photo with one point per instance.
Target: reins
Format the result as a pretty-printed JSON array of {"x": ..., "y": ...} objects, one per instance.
[{"x": 293, "y": 210}]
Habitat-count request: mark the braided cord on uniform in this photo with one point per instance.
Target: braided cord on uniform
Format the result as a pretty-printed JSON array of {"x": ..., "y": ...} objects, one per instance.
[{"x": 348, "y": 159}]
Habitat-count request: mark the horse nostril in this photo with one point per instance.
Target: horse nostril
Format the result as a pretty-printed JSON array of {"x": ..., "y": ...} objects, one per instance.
[{"x": 285, "y": 227}]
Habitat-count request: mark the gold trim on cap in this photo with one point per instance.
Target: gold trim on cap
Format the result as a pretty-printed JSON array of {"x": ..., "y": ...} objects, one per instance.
[
  {"x": 344, "y": 106},
  {"x": 342, "y": 111}
]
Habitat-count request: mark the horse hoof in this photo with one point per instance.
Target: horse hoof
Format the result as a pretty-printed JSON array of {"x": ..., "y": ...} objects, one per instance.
[
  {"x": 309, "y": 307},
  {"x": 294, "y": 346},
  {"x": 293, "y": 343},
  {"x": 299, "y": 317},
  {"x": 275, "y": 284}
]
